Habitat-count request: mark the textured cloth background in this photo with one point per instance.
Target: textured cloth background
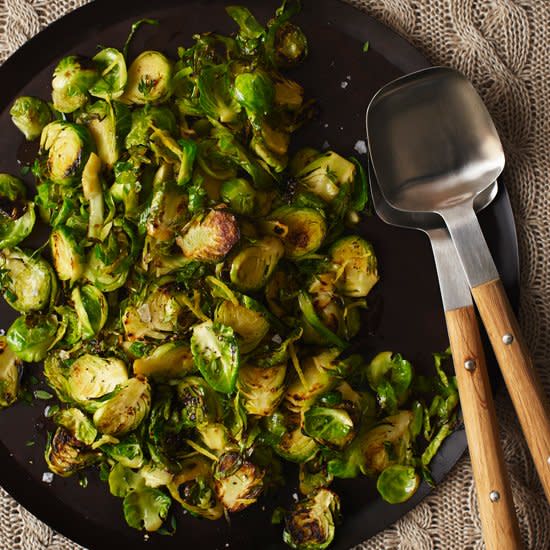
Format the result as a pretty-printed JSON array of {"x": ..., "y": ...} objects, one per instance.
[{"x": 502, "y": 46}]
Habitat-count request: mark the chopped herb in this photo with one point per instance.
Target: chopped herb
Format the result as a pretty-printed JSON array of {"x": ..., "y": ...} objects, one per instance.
[
  {"x": 366, "y": 46},
  {"x": 42, "y": 394}
]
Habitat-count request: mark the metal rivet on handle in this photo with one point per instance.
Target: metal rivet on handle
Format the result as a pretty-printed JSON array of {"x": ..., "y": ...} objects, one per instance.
[
  {"x": 470, "y": 365},
  {"x": 494, "y": 496},
  {"x": 507, "y": 339}
]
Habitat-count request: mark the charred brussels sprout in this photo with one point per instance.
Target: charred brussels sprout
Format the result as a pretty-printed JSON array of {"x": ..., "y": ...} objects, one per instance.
[
  {"x": 77, "y": 423},
  {"x": 166, "y": 362},
  {"x": 10, "y": 374},
  {"x": 290, "y": 441},
  {"x": 216, "y": 353},
  {"x": 332, "y": 427},
  {"x": 356, "y": 266},
  {"x": 310, "y": 525},
  {"x": 239, "y": 194},
  {"x": 32, "y": 336},
  {"x": 125, "y": 411},
  {"x": 67, "y": 147},
  {"x": 17, "y": 215},
  {"x": 65, "y": 454},
  {"x": 149, "y": 79},
  {"x": 209, "y": 237},
  {"x": 67, "y": 254},
  {"x": 28, "y": 282},
  {"x": 72, "y": 78},
  {"x": 397, "y": 483},
  {"x": 200, "y": 404},
  {"x": 113, "y": 75},
  {"x": 91, "y": 308},
  {"x": 289, "y": 45},
  {"x": 238, "y": 482},
  {"x": 302, "y": 230},
  {"x": 30, "y": 115},
  {"x": 262, "y": 388},
  {"x": 254, "y": 264}
]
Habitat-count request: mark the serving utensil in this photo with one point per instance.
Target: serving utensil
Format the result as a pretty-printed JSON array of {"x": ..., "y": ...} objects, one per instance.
[
  {"x": 499, "y": 521},
  {"x": 434, "y": 149}
]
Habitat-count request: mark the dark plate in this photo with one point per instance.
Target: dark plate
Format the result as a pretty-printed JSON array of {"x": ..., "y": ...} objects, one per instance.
[{"x": 405, "y": 309}]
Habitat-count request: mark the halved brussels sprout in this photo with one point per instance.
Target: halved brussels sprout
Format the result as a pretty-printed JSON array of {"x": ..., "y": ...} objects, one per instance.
[
  {"x": 356, "y": 266},
  {"x": 398, "y": 483},
  {"x": 209, "y": 237},
  {"x": 294, "y": 445},
  {"x": 216, "y": 353},
  {"x": 167, "y": 213},
  {"x": 215, "y": 97},
  {"x": 255, "y": 262},
  {"x": 239, "y": 194},
  {"x": 249, "y": 325},
  {"x": 125, "y": 411},
  {"x": 149, "y": 79},
  {"x": 72, "y": 78},
  {"x": 262, "y": 388},
  {"x": 301, "y": 159},
  {"x": 281, "y": 291},
  {"x": 329, "y": 426},
  {"x": 289, "y": 45},
  {"x": 166, "y": 362},
  {"x": 127, "y": 452},
  {"x": 30, "y": 337},
  {"x": 215, "y": 436},
  {"x": 112, "y": 74},
  {"x": 238, "y": 482},
  {"x": 10, "y": 374},
  {"x": 302, "y": 230},
  {"x": 88, "y": 378},
  {"x": 200, "y": 403},
  {"x": 92, "y": 309},
  {"x": 65, "y": 454},
  {"x": 289, "y": 95},
  {"x": 154, "y": 475},
  {"x": 271, "y": 146},
  {"x": 310, "y": 525},
  {"x": 314, "y": 475},
  {"x": 67, "y": 147},
  {"x": 320, "y": 377},
  {"x": 193, "y": 488},
  {"x": 17, "y": 215},
  {"x": 28, "y": 282},
  {"x": 73, "y": 332},
  {"x": 30, "y": 115},
  {"x": 326, "y": 175},
  {"x": 77, "y": 423},
  {"x": 67, "y": 254},
  {"x": 255, "y": 92}
]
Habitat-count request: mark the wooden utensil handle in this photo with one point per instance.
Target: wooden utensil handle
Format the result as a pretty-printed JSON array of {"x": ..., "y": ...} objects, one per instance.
[
  {"x": 496, "y": 507},
  {"x": 519, "y": 374}
]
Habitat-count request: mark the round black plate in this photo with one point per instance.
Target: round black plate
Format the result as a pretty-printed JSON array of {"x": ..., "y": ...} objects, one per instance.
[{"x": 405, "y": 308}]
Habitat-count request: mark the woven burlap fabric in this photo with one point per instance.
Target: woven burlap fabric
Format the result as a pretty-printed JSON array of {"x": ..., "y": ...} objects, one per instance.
[{"x": 502, "y": 46}]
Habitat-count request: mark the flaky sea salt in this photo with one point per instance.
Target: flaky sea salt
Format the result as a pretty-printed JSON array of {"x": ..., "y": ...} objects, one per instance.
[
  {"x": 47, "y": 477},
  {"x": 361, "y": 147},
  {"x": 344, "y": 84}
]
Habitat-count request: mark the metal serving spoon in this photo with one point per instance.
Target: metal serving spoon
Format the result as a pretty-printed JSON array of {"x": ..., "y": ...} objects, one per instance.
[
  {"x": 434, "y": 148},
  {"x": 499, "y": 521}
]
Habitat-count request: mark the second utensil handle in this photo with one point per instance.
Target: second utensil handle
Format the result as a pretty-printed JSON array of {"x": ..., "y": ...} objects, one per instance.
[
  {"x": 519, "y": 374},
  {"x": 496, "y": 507}
]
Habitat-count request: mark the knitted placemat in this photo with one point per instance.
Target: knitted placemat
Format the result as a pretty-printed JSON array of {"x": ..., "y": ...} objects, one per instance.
[{"x": 502, "y": 46}]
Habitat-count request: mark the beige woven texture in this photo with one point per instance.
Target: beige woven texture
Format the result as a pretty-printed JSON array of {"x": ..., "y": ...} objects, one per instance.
[{"x": 502, "y": 46}]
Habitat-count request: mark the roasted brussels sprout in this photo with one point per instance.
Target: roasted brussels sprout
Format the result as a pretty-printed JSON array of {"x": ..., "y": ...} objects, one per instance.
[
  {"x": 77, "y": 424},
  {"x": 254, "y": 264},
  {"x": 200, "y": 404},
  {"x": 397, "y": 483},
  {"x": 72, "y": 78},
  {"x": 248, "y": 324},
  {"x": 326, "y": 175},
  {"x": 125, "y": 411},
  {"x": 17, "y": 215},
  {"x": 67, "y": 147},
  {"x": 167, "y": 213},
  {"x": 293, "y": 445},
  {"x": 328, "y": 426},
  {"x": 310, "y": 524},
  {"x": 67, "y": 254},
  {"x": 92, "y": 309},
  {"x": 262, "y": 388},
  {"x": 289, "y": 45},
  {"x": 10, "y": 374},
  {"x": 113, "y": 75},
  {"x": 255, "y": 92},
  {"x": 128, "y": 452},
  {"x": 65, "y": 454},
  {"x": 238, "y": 482},
  {"x": 216, "y": 353},
  {"x": 166, "y": 362},
  {"x": 193, "y": 488},
  {"x": 149, "y": 79},
  {"x": 215, "y": 97},
  {"x": 239, "y": 194},
  {"x": 314, "y": 475},
  {"x": 356, "y": 266},
  {"x": 209, "y": 237},
  {"x": 288, "y": 95},
  {"x": 28, "y": 282},
  {"x": 30, "y": 337},
  {"x": 30, "y": 115},
  {"x": 143, "y": 122},
  {"x": 302, "y": 230}
]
